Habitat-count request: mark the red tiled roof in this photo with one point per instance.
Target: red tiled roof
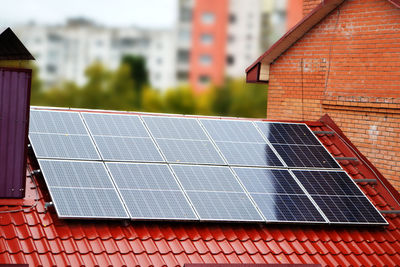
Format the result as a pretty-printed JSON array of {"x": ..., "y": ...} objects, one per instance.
[{"x": 39, "y": 238}]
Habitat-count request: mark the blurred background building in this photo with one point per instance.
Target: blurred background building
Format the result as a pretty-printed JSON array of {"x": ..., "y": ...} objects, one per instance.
[{"x": 212, "y": 41}]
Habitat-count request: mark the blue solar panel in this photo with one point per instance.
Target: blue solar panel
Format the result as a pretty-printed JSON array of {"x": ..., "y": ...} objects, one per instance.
[
  {"x": 349, "y": 209},
  {"x": 260, "y": 180},
  {"x": 327, "y": 183},
  {"x": 223, "y": 206},
  {"x": 82, "y": 189},
  {"x": 287, "y": 133},
  {"x": 63, "y": 146},
  {"x": 150, "y": 191},
  {"x": 175, "y": 128},
  {"x": 87, "y": 203},
  {"x": 249, "y": 154},
  {"x": 158, "y": 205},
  {"x": 207, "y": 178},
  {"x": 188, "y": 151},
  {"x": 287, "y": 208},
  {"x": 127, "y": 149},
  {"x": 299, "y": 156},
  {"x": 115, "y": 125},
  {"x": 142, "y": 176},
  {"x": 42, "y": 121},
  {"x": 232, "y": 131}
]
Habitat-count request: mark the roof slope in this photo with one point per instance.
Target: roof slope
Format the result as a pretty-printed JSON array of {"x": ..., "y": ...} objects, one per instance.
[
  {"x": 292, "y": 36},
  {"x": 11, "y": 48},
  {"x": 37, "y": 237}
]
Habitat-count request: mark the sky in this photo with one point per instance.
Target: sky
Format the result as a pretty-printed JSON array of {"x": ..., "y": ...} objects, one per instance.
[{"x": 142, "y": 13}]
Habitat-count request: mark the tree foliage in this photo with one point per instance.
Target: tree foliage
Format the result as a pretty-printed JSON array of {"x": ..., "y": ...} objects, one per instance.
[{"x": 118, "y": 90}]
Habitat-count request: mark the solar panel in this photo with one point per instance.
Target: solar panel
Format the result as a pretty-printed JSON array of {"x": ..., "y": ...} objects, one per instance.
[
  {"x": 215, "y": 193},
  {"x": 278, "y": 196},
  {"x": 63, "y": 146},
  {"x": 115, "y": 125},
  {"x": 232, "y": 131},
  {"x": 249, "y": 154},
  {"x": 61, "y": 135},
  {"x": 327, "y": 183},
  {"x": 122, "y": 138},
  {"x": 82, "y": 189},
  {"x": 224, "y": 206},
  {"x": 58, "y": 122},
  {"x": 175, "y": 128},
  {"x": 99, "y": 165},
  {"x": 298, "y": 156},
  {"x": 150, "y": 191},
  {"x": 127, "y": 149},
  {"x": 338, "y": 197},
  {"x": 287, "y": 133},
  {"x": 349, "y": 209}
]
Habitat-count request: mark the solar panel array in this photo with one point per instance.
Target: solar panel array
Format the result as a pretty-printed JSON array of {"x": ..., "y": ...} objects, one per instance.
[{"x": 146, "y": 167}]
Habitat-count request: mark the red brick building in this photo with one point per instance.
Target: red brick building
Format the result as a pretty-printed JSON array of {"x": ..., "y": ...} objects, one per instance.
[{"x": 342, "y": 58}]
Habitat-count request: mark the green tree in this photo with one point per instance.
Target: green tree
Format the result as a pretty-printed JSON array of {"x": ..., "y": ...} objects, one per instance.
[
  {"x": 139, "y": 75},
  {"x": 180, "y": 100},
  {"x": 152, "y": 100}
]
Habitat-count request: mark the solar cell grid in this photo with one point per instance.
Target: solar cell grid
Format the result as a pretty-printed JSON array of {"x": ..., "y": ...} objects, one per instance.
[
  {"x": 87, "y": 203},
  {"x": 327, "y": 182},
  {"x": 175, "y": 128},
  {"x": 248, "y": 154},
  {"x": 206, "y": 178},
  {"x": 232, "y": 131},
  {"x": 225, "y": 206},
  {"x": 306, "y": 156},
  {"x": 259, "y": 180},
  {"x": 189, "y": 151},
  {"x": 58, "y": 122},
  {"x": 142, "y": 176},
  {"x": 349, "y": 209},
  {"x": 63, "y": 146},
  {"x": 115, "y": 125},
  {"x": 157, "y": 204},
  {"x": 127, "y": 149},
  {"x": 287, "y": 133},
  {"x": 287, "y": 208},
  {"x": 75, "y": 174}
]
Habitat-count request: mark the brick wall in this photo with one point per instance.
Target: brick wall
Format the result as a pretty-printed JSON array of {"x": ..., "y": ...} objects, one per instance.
[
  {"x": 349, "y": 67},
  {"x": 309, "y": 5}
]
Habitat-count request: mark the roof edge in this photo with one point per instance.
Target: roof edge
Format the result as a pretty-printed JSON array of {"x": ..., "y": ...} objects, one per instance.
[
  {"x": 11, "y": 47},
  {"x": 392, "y": 196},
  {"x": 296, "y": 32}
]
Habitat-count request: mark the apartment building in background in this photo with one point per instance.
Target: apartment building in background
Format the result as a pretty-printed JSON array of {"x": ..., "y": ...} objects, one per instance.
[
  {"x": 63, "y": 52},
  {"x": 218, "y": 39}
]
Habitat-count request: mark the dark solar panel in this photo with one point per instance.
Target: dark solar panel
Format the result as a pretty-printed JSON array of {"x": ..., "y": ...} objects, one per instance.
[
  {"x": 327, "y": 183},
  {"x": 115, "y": 125},
  {"x": 287, "y": 133},
  {"x": 349, "y": 209},
  {"x": 287, "y": 208},
  {"x": 63, "y": 146},
  {"x": 189, "y": 151},
  {"x": 260, "y": 180},
  {"x": 175, "y": 128},
  {"x": 299, "y": 156},
  {"x": 223, "y": 206},
  {"x": 158, "y": 205},
  {"x": 232, "y": 130},
  {"x": 127, "y": 149},
  {"x": 248, "y": 154}
]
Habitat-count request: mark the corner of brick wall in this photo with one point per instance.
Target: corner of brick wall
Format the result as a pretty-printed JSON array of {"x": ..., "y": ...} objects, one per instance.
[{"x": 309, "y": 5}]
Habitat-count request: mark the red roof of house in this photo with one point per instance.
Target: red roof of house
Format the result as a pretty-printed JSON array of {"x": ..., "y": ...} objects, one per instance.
[
  {"x": 39, "y": 238},
  {"x": 293, "y": 35}
]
